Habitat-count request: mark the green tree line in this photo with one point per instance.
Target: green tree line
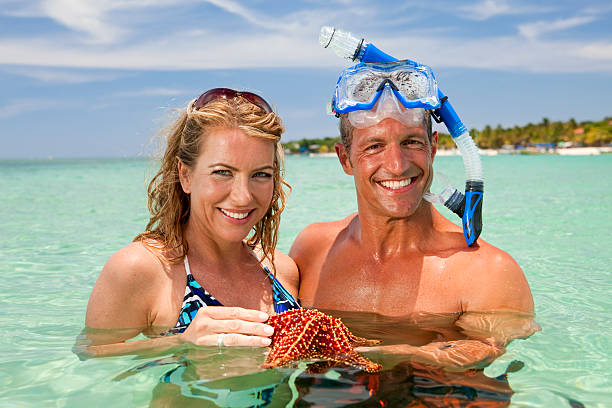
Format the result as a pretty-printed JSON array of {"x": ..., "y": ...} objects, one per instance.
[{"x": 587, "y": 133}]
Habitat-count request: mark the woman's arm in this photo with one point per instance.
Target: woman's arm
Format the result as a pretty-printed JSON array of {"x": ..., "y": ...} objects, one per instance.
[
  {"x": 121, "y": 304},
  {"x": 123, "y": 293}
]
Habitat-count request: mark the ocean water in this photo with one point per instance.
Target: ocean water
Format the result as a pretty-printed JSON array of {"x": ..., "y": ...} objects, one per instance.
[{"x": 60, "y": 220}]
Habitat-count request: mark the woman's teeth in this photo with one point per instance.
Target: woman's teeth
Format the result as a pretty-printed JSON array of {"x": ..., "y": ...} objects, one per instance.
[
  {"x": 394, "y": 185},
  {"x": 238, "y": 216}
]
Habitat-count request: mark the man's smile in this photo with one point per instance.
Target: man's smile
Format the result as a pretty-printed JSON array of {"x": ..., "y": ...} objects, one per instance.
[{"x": 396, "y": 185}]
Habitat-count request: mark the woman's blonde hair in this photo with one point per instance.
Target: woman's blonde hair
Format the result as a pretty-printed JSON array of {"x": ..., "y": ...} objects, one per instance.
[{"x": 170, "y": 206}]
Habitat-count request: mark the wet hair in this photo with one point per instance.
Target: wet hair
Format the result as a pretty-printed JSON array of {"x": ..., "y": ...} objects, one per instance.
[
  {"x": 346, "y": 129},
  {"x": 169, "y": 205}
]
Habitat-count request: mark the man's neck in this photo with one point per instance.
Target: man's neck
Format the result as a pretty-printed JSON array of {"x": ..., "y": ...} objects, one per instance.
[{"x": 385, "y": 237}]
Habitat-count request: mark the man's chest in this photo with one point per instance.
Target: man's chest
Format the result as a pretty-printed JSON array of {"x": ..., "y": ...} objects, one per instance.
[{"x": 396, "y": 286}]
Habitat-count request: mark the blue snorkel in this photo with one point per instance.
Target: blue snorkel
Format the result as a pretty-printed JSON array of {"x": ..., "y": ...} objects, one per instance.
[{"x": 468, "y": 206}]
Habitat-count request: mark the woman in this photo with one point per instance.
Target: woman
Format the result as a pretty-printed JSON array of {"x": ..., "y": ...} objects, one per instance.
[{"x": 220, "y": 180}]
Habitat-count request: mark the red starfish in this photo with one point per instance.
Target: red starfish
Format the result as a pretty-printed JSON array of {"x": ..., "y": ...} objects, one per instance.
[{"x": 307, "y": 333}]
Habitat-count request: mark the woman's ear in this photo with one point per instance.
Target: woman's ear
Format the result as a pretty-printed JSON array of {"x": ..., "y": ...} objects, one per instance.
[{"x": 184, "y": 178}]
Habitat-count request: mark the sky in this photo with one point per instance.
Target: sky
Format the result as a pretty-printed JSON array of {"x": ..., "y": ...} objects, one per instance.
[{"x": 83, "y": 78}]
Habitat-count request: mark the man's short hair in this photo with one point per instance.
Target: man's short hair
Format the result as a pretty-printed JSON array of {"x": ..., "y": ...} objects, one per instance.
[{"x": 346, "y": 129}]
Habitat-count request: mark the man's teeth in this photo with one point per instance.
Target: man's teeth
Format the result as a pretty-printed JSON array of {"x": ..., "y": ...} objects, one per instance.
[
  {"x": 393, "y": 184},
  {"x": 235, "y": 215}
]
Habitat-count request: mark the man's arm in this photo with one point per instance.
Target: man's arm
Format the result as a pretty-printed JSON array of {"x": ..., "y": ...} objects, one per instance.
[
  {"x": 488, "y": 335},
  {"x": 497, "y": 308}
]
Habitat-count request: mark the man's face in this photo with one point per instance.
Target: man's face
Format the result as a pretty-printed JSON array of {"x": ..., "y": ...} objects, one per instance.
[{"x": 392, "y": 166}]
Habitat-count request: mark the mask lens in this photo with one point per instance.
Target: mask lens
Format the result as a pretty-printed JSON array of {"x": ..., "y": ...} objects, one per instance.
[
  {"x": 358, "y": 87},
  {"x": 410, "y": 84},
  {"x": 363, "y": 88}
]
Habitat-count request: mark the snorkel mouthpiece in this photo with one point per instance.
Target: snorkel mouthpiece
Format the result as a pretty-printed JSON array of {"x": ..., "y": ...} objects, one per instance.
[
  {"x": 347, "y": 46},
  {"x": 468, "y": 206},
  {"x": 341, "y": 42}
]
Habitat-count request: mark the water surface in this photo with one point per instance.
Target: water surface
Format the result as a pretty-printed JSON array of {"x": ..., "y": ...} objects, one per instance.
[{"x": 62, "y": 219}]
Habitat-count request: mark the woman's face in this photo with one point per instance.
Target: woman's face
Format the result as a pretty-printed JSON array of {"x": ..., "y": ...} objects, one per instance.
[{"x": 231, "y": 184}]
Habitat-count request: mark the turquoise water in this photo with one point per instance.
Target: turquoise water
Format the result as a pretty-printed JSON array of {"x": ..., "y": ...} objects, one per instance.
[{"x": 61, "y": 219}]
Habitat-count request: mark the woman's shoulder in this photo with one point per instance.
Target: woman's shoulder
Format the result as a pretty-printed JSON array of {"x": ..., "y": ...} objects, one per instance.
[
  {"x": 287, "y": 272},
  {"x": 137, "y": 258},
  {"x": 126, "y": 288},
  {"x": 137, "y": 268}
]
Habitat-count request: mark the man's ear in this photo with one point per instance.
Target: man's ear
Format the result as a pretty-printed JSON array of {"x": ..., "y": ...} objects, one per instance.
[
  {"x": 344, "y": 158},
  {"x": 184, "y": 178},
  {"x": 434, "y": 144}
]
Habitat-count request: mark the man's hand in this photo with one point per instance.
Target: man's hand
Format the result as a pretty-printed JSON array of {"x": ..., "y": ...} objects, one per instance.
[
  {"x": 488, "y": 335},
  {"x": 458, "y": 355}
]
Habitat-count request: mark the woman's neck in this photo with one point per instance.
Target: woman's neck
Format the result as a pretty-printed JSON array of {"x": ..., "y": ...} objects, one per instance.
[{"x": 203, "y": 246}]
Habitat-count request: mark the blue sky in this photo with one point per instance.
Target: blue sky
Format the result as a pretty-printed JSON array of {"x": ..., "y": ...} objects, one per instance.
[{"x": 82, "y": 78}]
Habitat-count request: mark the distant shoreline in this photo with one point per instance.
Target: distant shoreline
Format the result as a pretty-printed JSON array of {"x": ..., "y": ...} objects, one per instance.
[{"x": 569, "y": 151}]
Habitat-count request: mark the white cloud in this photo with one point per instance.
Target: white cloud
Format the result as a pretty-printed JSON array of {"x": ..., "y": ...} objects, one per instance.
[
  {"x": 272, "y": 50},
  {"x": 265, "y": 41},
  {"x": 65, "y": 77},
  {"x": 93, "y": 18},
  {"x": 88, "y": 17},
  {"x": 223, "y": 50},
  {"x": 22, "y": 106},
  {"x": 251, "y": 16},
  {"x": 153, "y": 92},
  {"x": 510, "y": 53},
  {"x": 486, "y": 9},
  {"x": 597, "y": 51},
  {"x": 535, "y": 30}
]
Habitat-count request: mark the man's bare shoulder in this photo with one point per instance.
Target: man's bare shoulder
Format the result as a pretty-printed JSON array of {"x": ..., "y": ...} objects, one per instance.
[
  {"x": 318, "y": 237},
  {"x": 494, "y": 280}
]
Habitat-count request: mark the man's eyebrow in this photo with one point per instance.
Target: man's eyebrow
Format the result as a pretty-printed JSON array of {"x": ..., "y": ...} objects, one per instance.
[
  {"x": 419, "y": 135},
  {"x": 370, "y": 139}
]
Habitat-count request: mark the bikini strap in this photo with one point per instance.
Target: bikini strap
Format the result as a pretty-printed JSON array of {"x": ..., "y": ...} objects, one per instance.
[{"x": 186, "y": 262}]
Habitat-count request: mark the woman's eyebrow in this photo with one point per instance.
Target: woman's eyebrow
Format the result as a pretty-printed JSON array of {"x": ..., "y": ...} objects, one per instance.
[
  {"x": 222, "y": 165},
  {"x": 264, "y": 167}
]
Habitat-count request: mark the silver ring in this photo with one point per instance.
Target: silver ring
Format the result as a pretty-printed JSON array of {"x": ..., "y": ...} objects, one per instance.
[{"x": 220, "y": 340}]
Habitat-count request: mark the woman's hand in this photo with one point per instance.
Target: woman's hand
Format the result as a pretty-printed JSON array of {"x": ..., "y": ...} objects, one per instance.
[{"x": 228, "y": 326}]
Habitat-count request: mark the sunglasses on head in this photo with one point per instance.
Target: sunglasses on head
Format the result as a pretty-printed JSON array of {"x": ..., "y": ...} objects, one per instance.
[{"x": 227, "y": 93}]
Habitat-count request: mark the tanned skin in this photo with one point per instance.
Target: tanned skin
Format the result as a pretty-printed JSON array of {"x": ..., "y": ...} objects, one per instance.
[{"x": 398, "y": 255}]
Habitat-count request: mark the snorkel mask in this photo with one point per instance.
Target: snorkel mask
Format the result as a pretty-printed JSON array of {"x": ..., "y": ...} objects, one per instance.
[
  {"x": 370, "y": 92},
  {"x": 374, "y": 80}
]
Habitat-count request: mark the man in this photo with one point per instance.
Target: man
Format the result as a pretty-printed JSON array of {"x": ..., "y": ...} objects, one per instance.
[{"x": 397, "y": 255}]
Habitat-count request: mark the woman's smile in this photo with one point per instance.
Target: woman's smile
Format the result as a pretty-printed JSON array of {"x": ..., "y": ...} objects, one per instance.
[{"x": 236, "y": 216}]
